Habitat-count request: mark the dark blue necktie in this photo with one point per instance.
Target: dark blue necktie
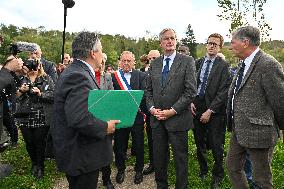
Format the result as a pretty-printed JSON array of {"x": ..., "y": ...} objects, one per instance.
[
  {"x": 240, "y": 76},
  {"x": 165, "y": 72},
  {"x": 205, "y": 77}
]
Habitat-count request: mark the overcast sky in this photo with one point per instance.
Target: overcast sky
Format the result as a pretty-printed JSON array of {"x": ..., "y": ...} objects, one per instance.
[{"x": 131, "y": 18}]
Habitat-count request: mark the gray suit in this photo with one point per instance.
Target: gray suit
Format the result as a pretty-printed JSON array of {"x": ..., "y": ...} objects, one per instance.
[
  {"x": 258, "y": 111},
  {"x": 178, "y": 93}
]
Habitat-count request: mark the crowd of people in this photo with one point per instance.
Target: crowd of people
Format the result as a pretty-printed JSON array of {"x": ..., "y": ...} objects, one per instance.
[{"x": 50, "y": 106}]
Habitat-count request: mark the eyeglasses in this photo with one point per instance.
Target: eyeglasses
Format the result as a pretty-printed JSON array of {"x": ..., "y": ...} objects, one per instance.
[
  {"x": 152, "y": 58},
  {"x": 212, "y": 44},
  {"x": 181, "y": 51}
]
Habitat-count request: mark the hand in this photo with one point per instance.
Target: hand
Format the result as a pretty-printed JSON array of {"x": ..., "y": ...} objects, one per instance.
[
  {"x": 14, "y": 64},
  {"x": 193, "y": 109},
  {"x": 24, "y": 88},
  {"x": 111, "y": 126},
  {"x": 154, "y": 111},
  {"x": 165, "y": 114},
  {"x": 205, "y": 117},
  {"x": 36, "y": 91}
]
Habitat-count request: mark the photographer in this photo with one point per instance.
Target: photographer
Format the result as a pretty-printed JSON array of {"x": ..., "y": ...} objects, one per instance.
[
  {"x": 8, "y": 84},
  {"x": 33, "y": 113},
  {"x": 48, "y": 66}
]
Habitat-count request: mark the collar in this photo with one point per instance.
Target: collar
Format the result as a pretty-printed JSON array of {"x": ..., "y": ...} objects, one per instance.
[
  {"x": 88, "y": 65},
  {"x": 172, "y": 56},
  {"x": 249, "y": 59},
  {"x": 207, "y": 58}
]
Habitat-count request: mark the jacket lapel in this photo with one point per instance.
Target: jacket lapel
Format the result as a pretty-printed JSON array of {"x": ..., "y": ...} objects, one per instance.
[
  {"x": 134, "y": 80},
  {"x": 82, "y": 65},
  {"x": 251, "y": 68},
  {"x": 213, "y": 70},
  {"x": 159, "y": 68}
]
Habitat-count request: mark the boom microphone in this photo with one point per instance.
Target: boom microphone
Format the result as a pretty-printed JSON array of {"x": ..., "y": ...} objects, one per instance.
[{"x": 23, "y": 47}]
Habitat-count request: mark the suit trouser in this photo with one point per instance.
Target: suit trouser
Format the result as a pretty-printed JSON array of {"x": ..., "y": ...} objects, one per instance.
[
  {"x": 261, "y": 162},
  {"x": 150, "y": 139},
  {"x": 83, "y": 181},
  {"x": 212, "y": 134},
  {"x": 120, "y": 146},
  {"x": 106, "y": 172},
  {"x": 179, "y": 142},
  {"x": 209, "y": 136}
]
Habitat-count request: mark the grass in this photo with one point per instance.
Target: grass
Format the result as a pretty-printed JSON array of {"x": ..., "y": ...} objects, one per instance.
[{"x": 22, "y": 179}]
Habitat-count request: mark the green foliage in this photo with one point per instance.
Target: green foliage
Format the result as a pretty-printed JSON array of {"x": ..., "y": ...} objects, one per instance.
[
  {"x": 190, "y": 41},
  {"x": 239, "y": 12},
  {"x": 21, "y": 177},
  {"x": 51, "y": 43}
]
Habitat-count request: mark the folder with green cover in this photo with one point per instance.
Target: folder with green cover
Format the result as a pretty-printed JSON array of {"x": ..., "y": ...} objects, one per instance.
[{"x": 115, "y": 105}]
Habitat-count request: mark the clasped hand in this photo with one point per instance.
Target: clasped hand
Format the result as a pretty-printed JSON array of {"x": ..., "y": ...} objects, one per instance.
[{"x": 162, "y": 114}]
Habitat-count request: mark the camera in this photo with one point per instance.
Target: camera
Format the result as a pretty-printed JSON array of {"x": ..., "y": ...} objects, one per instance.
[
  {"x": 32, "y": 85},
  {"x": 31, "y": 64}
]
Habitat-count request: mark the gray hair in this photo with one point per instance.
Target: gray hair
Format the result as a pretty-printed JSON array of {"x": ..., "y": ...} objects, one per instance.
[
  {"x": 83, "y": 43},
  {"x": 248, "y": 32},
  {"x": 164, "y": 31},
  {"x": 127, "y": 52}
]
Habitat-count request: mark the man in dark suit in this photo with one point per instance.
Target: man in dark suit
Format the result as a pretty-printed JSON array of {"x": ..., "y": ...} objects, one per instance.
[
  {"x": 152, "y": 55},
  {"x": 133, "y": 80},
  {"x": 255, "y": 109},
  {"x": 170, "y": 88},
  {"x": 208, "y": 108},
  {"x": 81, "y": 141}
]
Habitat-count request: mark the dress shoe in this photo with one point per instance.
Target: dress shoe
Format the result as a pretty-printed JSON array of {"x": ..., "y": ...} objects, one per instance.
[
  {"x": 138, "y": 178},
  {"x": 148, "y": 170},
  {"x": 120, "y": 177},
  {"x": 34, "y": 170},
  {"x": 40, "y": 173},
  {"x": 108, "y": 185},
  {"x": 202, "y": 176},
  {"x": 5, "y": 170},
  {"x": 216, "y": 184}
]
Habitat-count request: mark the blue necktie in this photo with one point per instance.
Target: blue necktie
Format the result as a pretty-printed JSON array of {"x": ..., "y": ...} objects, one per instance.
[
  {"x": 165, "y": 72},
  {"x": 240, "y": 76},
  {"x": 205, "y": 77}
]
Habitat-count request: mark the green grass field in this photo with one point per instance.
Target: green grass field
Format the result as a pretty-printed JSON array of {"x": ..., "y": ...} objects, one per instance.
[{"x": 22, "y": 179}]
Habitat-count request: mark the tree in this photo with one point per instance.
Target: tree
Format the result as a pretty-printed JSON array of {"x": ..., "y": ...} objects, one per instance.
[
  {"x": 245, "y": 12},
  {"x": 190, "y": 41}
]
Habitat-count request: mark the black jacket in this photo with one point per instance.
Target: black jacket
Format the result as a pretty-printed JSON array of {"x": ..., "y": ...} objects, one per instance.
[{"x": 80, "y": 140}]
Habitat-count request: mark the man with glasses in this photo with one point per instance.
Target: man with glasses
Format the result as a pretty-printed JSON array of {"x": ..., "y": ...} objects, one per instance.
[
  {"x": 208, "y": 108},
  {"x": 170, "y": 88}
]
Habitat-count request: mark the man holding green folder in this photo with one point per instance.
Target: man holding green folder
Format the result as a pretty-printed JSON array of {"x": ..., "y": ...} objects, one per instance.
[{"x": 81, "y": 141}]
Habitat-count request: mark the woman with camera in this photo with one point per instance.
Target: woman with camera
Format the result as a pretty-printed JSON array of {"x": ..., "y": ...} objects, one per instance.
[{"x": 33, "y": 113}]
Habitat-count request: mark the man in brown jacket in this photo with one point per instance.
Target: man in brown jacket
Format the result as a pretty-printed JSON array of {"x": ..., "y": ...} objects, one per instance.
[{"x": 255, "y": 109}]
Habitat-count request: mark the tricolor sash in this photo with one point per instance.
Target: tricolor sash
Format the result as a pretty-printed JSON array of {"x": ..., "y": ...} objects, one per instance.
[{"x": 121, "y": 80}]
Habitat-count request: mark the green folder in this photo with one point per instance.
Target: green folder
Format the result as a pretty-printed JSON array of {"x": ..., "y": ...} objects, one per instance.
[{"x": 115, "y": 105}]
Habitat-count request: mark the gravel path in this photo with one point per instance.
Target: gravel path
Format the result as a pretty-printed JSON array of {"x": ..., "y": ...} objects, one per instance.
[{"x": 148, "y": 181}]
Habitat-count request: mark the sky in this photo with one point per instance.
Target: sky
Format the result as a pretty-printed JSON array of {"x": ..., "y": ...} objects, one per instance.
[{"x": 131, "y": 18}]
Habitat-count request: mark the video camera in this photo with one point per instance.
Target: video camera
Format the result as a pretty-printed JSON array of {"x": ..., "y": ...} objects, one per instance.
[{"x": 18, "y": 47}]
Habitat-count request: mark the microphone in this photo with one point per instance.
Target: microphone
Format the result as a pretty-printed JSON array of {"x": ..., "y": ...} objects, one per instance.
[{"x": 23, "y": 47}]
